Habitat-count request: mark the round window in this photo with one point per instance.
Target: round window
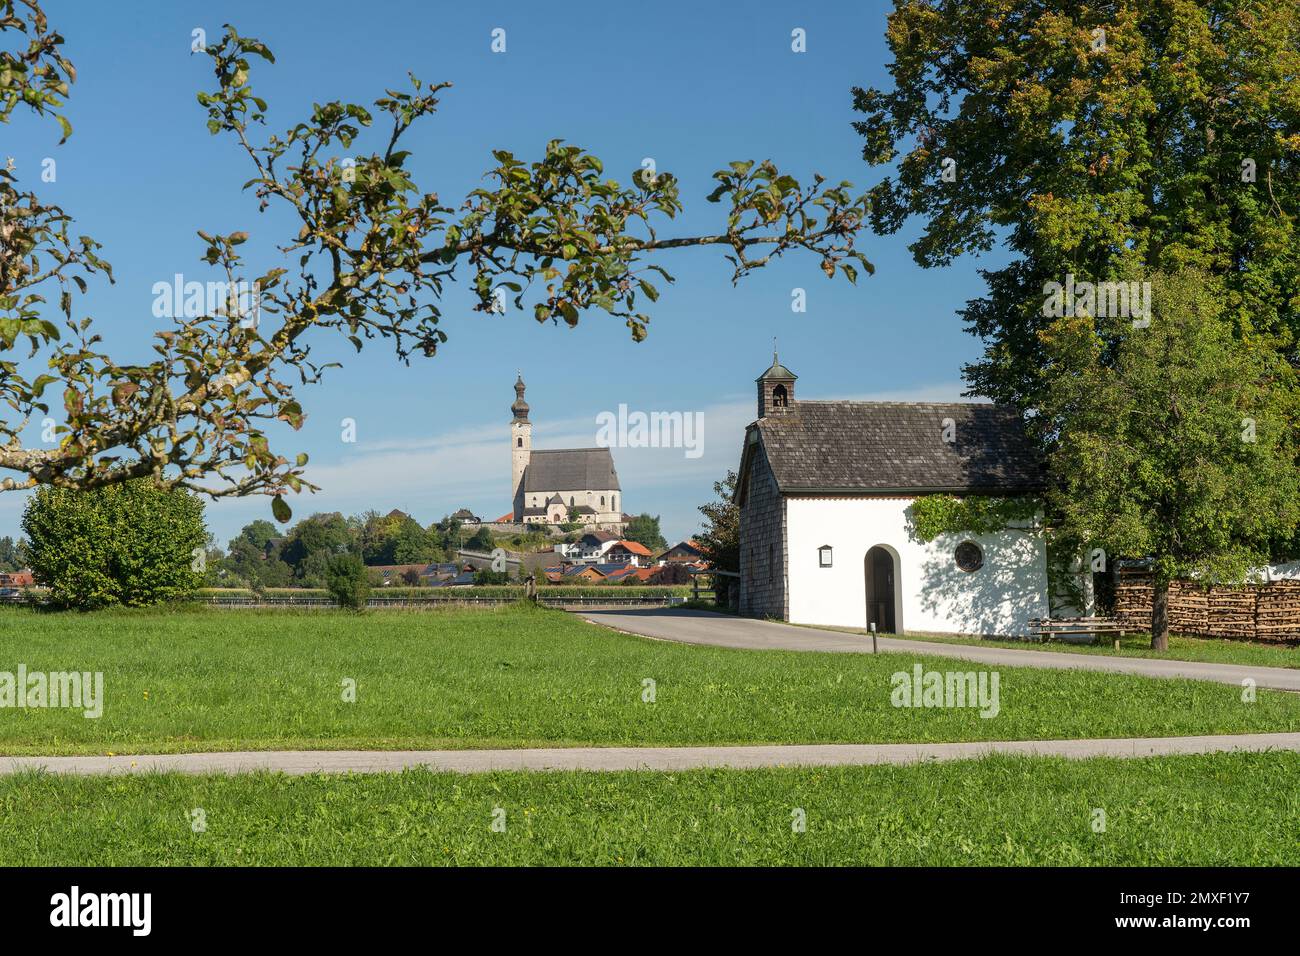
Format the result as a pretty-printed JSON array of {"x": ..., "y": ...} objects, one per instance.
[{"x": 969, "y": 556}]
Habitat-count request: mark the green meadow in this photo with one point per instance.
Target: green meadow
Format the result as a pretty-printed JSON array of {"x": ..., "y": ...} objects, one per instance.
[
  {"x": 211, "y": 679},
  {"x": 1223, "y": 810}
]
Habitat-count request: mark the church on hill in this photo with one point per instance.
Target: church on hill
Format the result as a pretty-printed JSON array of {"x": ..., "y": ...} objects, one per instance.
[{"x": 555, "y": 485}]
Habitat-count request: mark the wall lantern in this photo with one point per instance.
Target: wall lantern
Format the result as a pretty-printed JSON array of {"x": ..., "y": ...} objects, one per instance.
[{"x": 824, "y": 556}]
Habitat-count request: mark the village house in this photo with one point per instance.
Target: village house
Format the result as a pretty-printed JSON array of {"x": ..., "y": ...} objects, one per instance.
[
  {"x": 17, "y": 579},
  {"x": 826, "y": 490},
  {"x": 632, "y": 553},
  {"x": 581, "y": 574},
  {"x": 590, "y": 548},
  {"x": 683, "y": 552}
]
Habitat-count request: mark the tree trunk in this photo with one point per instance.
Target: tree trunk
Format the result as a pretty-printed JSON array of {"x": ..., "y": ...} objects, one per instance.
[
  {"x": 1087, "y": 588},
  {"x": 1160, "y": 616}
]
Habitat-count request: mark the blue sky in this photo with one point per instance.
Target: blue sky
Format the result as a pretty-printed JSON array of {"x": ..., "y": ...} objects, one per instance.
[{"x": 693, "y": 86}]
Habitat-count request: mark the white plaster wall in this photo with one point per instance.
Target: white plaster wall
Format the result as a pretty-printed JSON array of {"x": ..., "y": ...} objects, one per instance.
[{"x": 1000, "y": 598}]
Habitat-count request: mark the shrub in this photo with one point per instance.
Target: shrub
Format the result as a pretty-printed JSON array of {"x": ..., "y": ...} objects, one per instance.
[
  {"x": 348, "y": 581},
  {"x": 128, "y": 544}
]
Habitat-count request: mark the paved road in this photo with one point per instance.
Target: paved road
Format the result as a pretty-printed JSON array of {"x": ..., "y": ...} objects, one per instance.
[
  {"x": 642, "y": 758},
  {"x": 726, "y": 630}
]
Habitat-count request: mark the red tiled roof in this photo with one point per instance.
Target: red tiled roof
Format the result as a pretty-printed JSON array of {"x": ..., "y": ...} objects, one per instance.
[{"x": 636, "y": 547}]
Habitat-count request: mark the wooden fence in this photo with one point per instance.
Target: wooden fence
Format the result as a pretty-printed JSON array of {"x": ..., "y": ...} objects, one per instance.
[{"x": 1255, "y": 612}]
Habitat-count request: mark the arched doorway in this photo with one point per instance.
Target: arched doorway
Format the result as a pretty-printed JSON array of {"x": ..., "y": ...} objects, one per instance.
[{"x": 881, "y": 574}]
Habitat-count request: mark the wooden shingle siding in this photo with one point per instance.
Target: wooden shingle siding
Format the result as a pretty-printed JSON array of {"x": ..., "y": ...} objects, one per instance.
[{"x": 763, "y": 590}]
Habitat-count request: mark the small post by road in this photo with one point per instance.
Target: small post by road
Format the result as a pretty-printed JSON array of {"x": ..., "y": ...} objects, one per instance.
[{"x": 872, "y": 626}]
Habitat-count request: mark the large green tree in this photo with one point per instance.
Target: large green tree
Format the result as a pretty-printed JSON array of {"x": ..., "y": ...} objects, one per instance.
[
  {"x": 1097, "y": 138},
  {"x": 644, "y": 529},
  {"x": 126, "y": 544},
  {"x": 369, "y": 255},
  {"x": 347, "y": 581},
  {"x": 1176, "y": 444}
]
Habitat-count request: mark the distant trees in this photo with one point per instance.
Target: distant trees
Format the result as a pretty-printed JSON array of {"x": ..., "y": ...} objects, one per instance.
[
  {"x": 644, "y": 529},
  {"x": 312, "y": 543},
  {"x": 252, "y": 558},
  {"x": 480, "y": 540},
  {"x": 263, "y": 556},
  {"x": 396, "y": 539},
  {"x": 10, "y": 559},
  {"x": 125, "y": 544},
  {"x": 413, "y": 544}
]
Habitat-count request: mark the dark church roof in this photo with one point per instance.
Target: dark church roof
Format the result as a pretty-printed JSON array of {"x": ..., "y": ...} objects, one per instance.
[
  {"x": 881, "y": 447},
  {"x": 571, "y": 469}
]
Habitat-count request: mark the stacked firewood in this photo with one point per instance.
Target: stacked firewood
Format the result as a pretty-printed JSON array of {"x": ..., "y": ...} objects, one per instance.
[
  {"x": 1261, "y": 612},
  {"x": 1189, "y": 608},
  {"x": 1277, "y": 612},
  {"x": 1133, "y": 599},
  {"x": 1231, "y": 612}
]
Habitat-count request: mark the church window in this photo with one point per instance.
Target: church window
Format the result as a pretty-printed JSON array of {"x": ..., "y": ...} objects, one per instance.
[
  {"x": 602, "y": 501},
  {"x": 520, "y": 442},
  {"x": 969, "y": 557}
]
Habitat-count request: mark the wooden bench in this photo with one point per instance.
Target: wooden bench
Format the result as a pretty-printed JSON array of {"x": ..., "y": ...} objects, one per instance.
[{"x": 1049, "y": 628}]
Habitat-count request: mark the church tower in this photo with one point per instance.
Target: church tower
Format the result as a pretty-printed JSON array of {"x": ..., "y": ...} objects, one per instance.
[
  {"x": 775, "y": 390},
  {"x": 521, "y": 447}
]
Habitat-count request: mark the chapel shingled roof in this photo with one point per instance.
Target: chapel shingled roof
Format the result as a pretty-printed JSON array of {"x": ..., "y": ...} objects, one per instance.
[{"x": 882, "y": 447}]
